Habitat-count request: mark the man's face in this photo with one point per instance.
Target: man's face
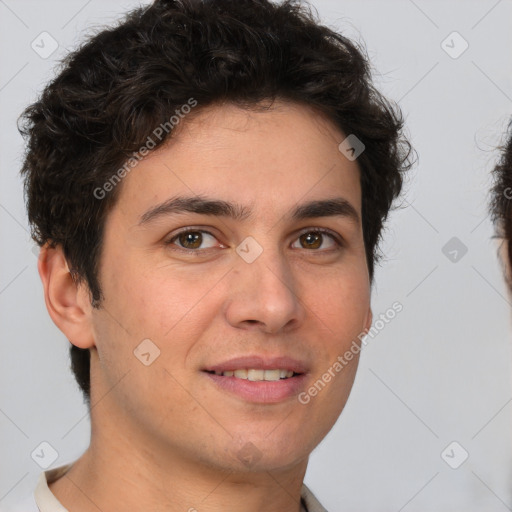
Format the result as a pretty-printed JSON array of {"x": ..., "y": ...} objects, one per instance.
[{"x": 213, "y": 295}]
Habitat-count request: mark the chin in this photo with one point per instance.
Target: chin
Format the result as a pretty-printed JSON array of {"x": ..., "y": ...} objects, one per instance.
[{"x": 265, "y": 452}]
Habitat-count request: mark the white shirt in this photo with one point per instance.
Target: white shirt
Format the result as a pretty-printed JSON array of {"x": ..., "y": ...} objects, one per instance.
[{"x": 43, "y": 500}]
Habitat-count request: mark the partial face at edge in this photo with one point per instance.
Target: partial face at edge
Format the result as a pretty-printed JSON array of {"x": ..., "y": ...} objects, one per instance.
[{"x": 201, "y": 302}]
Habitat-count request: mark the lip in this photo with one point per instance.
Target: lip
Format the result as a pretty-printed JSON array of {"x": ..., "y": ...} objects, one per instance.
[
  {"x": 260, "y": 363},
  {"x": 262, "y": 392}
]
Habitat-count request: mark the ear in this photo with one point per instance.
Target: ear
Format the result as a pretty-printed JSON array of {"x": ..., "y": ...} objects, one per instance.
[
  {"x": 67, "y": 302},
  {"x": 369, "y": 319}
]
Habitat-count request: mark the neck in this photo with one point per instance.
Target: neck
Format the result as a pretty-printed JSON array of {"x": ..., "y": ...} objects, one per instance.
[{"x": 118, "y": 474}]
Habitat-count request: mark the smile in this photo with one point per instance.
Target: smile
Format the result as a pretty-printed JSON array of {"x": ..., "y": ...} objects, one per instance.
[
  {"x": 255, "y": 375},
  {"x": 258, "y": 386}
]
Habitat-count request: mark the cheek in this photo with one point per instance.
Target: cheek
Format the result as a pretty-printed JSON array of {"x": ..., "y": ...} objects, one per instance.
[
  {"x": 342, "y": 304},
  {"x": 341, "y": 311},
  {"x": 172, "y": 313},
  {"x": 159, "y": 302}
]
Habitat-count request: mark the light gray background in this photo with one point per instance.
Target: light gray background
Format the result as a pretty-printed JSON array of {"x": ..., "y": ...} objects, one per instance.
[{"x": 439, "y": 372}]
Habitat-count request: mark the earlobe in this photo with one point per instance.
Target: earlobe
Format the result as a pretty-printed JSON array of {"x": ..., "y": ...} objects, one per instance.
[{"x": 66, "y": 301}]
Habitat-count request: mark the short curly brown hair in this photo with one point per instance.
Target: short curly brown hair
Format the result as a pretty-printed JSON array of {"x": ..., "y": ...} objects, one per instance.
[{"x": 113, "y": 91}]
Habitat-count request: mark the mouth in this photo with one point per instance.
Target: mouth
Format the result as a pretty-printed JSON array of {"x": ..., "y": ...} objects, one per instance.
[
  {"x": 259, "y": 380},
  {"x": 256, "y": 374}
]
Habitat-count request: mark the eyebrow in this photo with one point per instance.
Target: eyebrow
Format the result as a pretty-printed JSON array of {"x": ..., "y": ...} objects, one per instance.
[{"x": 337, "y": 206}]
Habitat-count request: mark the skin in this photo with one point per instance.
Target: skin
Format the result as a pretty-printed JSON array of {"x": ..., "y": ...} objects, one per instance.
[{"x": 164, "y": 437}]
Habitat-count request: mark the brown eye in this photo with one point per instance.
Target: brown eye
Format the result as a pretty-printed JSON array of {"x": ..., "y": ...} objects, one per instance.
[
  {"x": 311, "y": 240},
  {"x": 193, "y": 240},
  {"x": 316, "y": 239}
]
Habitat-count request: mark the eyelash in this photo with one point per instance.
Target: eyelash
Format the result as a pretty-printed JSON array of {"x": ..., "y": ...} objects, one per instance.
[{"x": 335, "y": 237}]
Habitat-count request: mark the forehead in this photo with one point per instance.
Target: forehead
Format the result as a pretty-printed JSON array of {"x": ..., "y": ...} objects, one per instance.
[{"x": 272, "y": 158}]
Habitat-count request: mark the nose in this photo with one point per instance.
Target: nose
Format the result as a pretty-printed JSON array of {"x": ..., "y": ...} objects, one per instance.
[{"x": 264, "y": 295}]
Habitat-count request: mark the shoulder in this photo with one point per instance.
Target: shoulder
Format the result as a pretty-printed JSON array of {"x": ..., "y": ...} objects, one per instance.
[
  {"x": 310, "y": 500},
  {"x": 41, "y": 499}
]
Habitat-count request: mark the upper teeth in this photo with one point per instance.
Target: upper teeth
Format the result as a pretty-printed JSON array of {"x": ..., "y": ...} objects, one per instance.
[{"x": 253, "y": 374}]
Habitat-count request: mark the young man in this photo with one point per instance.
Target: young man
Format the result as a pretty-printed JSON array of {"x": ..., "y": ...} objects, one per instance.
[
  {"x": 208, "y": 182},
  {"x": 501, "y": 209}
]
